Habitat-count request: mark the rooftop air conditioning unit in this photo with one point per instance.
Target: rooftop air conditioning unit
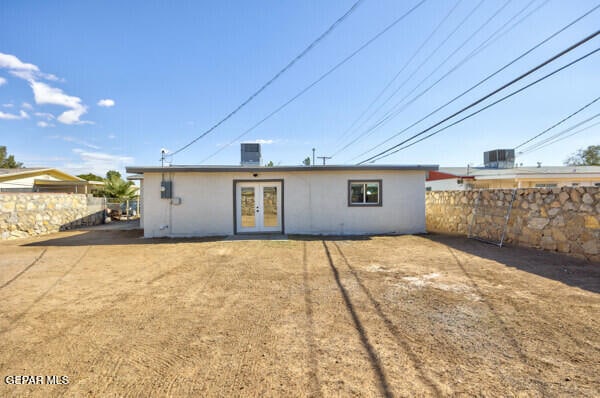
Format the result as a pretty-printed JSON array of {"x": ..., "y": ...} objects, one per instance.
[
  {"x": 499, "y": 159},
  {"x": 250, "y": 154}
]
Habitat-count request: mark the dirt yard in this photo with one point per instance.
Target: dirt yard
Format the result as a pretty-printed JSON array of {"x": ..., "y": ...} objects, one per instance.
[{"x": 383, "y": 316}]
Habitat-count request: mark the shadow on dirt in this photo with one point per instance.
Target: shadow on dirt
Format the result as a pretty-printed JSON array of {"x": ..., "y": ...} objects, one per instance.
[
  {"x": 107, "y": 237},
  {"x": 112, "y": 237},
  {"x": 556, "y": 266}
]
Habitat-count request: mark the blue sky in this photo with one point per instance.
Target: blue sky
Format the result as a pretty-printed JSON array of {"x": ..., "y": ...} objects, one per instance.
[{"x": 91, "y": 86}]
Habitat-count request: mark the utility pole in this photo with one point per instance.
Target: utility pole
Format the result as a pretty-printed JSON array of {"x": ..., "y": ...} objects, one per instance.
[
  {"x": 313, "y": 163},
  {"x": 324, "y": 158}
]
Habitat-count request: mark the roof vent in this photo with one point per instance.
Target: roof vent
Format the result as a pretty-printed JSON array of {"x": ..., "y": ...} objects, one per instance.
[{"x": 250, "y": 154}]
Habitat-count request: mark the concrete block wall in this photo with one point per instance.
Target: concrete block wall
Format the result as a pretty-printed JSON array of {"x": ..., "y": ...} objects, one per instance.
[
  {"x": 30, "y": 214},
  {"x": 565, "y": 220}
]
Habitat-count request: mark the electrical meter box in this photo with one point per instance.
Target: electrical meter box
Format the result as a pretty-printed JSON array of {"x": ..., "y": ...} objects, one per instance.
[{"x": 166, "y": 189}]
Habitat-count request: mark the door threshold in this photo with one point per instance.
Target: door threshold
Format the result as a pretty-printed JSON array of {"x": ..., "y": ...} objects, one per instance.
[{"x": 257, "y": 236}]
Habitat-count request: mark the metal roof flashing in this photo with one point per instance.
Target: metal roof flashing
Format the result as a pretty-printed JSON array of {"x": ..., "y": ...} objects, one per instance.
[{"x": 274, "y": 169}]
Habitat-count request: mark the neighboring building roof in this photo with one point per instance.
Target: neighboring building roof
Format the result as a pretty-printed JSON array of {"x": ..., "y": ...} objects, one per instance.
[
  {"x": 263, "y": 169},
  {"x": 524, "y": 172},
  {"x": 68, "y": 183},
  {"x": 12, "y": 174},
  {"x": 440, "y": 175},
  {"x": 20, "y": 170},
  {"x": 135, "y": 177}
]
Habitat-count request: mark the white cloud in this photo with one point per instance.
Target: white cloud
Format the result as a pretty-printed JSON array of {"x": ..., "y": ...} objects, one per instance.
[
  {"x": 12, "y": 116},
  {"x": 266, "y": 142},
  {"x": 112, "y": 136},
  {"x": 43, "y": 124},
  {"x": 2, "y": 81},
  {"x": 106, "y": 103},
  {"x": 73, "y": 116},
  {"x": 68, "y": 138},
  {"x": 9, "y": 61},
  {"x": 26, "y": 105},
  {"x": 98, "y": 162},
  {"x": 45, "y": 115},
  {"x": 45, "y": 94},
  {"x": 8, "y": 105}
]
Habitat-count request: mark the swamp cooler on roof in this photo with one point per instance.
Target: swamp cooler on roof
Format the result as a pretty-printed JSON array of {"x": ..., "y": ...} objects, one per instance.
[
  {"x": 250, "y": 154},
  {"x": 499, "y": 159}
]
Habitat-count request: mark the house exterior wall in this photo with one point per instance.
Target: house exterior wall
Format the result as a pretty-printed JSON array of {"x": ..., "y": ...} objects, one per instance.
[
  {"x": 449, "y": 184},
  {"x": 314, "y": 203},
  {"x": 521, "y": 182}
]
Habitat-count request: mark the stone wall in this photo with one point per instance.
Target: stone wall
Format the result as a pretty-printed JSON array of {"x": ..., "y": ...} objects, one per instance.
[
  {"x": 565, "y": 220},
  {"x": 30, "y": 214}
]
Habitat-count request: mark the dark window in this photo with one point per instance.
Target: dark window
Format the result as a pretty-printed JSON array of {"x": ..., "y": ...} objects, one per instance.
[{"x": 364, "y": 193}]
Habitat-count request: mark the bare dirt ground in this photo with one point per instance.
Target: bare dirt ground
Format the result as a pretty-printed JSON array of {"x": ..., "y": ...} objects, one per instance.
[{"x": 381, "y": 316}]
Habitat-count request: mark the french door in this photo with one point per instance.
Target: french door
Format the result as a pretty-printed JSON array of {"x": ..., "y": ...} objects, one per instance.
[{"x": 258, "y": 206}]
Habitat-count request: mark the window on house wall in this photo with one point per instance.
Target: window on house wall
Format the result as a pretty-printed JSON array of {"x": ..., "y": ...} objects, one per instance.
[
  {"x": 364, "y": 193},
  {"x": 546, "y": 185}
]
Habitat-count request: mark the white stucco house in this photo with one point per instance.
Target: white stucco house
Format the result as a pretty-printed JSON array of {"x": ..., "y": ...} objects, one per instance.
[{"x": 187, "y": 201}]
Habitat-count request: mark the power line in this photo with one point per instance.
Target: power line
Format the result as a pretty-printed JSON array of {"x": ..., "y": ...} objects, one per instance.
[
  {"x": 277, "y": 75},
  {"x": 416, "y": 69},
  {"x": 318, "y": 80},
  {"x": 558, "y": 123},
  {"x": 490, "y": 105},
  {"x": 568, "y": 136},
  {"x": 411, "y": 58},
  {"x": 543, "y": 143},
  {"x": 396, "y": 109},
  {"x": 522, "y": 76},
  {"x": 486, "y": 43},
  {"x": 387, "y": 116},
  {"x": 483, "y": 80}
]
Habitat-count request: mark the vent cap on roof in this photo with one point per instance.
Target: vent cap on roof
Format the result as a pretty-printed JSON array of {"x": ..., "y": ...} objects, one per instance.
[{"x": 250, "y": 154}]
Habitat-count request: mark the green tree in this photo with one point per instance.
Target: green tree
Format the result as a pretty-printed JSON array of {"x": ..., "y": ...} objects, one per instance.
[
  {"x": 116, "y": 187},
  {"x": 306, "y": 161},
  {"x": 270, "y": 164},
  {"x": 8, "y": 162},
  {"x": 90, "y": 177},
  {"x": 589, "y": 156},
  {"x": 111, "y": 173}
]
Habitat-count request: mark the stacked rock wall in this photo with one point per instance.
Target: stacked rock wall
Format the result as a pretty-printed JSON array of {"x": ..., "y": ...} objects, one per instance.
[
  {"x": 30, "y": 214},
  {"x": 565, "y": 219}
]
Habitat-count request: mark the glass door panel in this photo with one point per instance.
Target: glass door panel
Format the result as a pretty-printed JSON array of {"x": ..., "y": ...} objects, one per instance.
[
  {"x": 269, "y": 207},
  {"x": 248, "y": 206}
]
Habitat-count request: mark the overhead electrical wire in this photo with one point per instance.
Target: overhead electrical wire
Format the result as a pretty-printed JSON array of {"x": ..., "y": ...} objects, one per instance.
[
  {"x": 486, "y": 43},
  {"x": 543, "y": 143},
  {"x": 394, "y": 110},
  {"x": 319, "y": 79},
  {"x": 490, "y": 105},
  {"x": 567, "y": 136},
  {"x": 397, "y": 89},
  {"x": 393, "y": 79},
  {"x": 504, "y": 86},
  {"x": 275, "y": 77},
  {"x": 391, "y": 113},
  {"x": 558, "y": 123},
  {"x": 483, "y": 80}
]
